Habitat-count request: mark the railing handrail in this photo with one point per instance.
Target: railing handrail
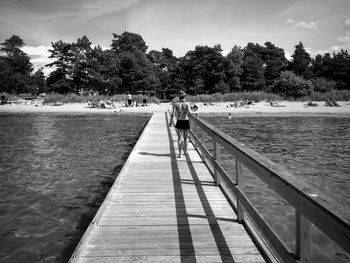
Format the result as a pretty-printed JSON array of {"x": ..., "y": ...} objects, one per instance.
[{"x": 281, "y": 181}]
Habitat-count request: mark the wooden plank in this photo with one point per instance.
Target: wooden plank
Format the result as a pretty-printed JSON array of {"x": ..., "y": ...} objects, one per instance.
[
  {"x": 169, "y": 259},
  {"x": 164, "y": 209}
]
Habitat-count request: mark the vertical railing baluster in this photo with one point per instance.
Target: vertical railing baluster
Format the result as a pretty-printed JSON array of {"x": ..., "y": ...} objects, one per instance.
[
  {"x": 216, "y": 157},
  {"x": 202, "y": 143},
  {"x": 302, "y": 238},
  {"x": 240, "y": 184}
]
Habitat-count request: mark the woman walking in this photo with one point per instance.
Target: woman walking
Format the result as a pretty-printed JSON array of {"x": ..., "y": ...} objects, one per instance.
[{"x": 181, "y": 110}]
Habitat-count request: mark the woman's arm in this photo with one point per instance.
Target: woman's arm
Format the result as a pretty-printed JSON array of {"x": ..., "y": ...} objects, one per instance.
[{"x": 172, "y": 115}]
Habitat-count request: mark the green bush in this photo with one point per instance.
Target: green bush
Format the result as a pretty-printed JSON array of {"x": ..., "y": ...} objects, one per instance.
[
  {"x": 222, "y": 87},
  {"x": 338, "y": 95},
  {"x": 216, "y": 97},
  {"x": 9, "y": 96},
  {"x": 290, "y": 85},
  {"x": 323, "y": 85},
  {"x": 68, "y": 98},
  {"x": 255, "y": 96},
  {"x": 234, "y": 96},
  {"x": 74, "y": 98}
]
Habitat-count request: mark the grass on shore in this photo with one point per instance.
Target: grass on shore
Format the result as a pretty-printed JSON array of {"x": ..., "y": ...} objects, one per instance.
[{"x": 338, "y": 95}]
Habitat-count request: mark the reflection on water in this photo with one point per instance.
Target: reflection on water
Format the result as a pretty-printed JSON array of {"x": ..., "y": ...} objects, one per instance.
[
  {"x": 55, "y": 171},
  {"x": 316, "y": 150}
]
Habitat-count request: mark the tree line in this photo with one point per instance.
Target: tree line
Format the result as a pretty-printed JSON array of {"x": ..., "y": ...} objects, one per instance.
[{"x": 128, "y": 67}]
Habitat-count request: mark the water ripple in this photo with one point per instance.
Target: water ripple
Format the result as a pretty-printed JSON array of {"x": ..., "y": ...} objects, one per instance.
[{"x": 55, "y": 171}]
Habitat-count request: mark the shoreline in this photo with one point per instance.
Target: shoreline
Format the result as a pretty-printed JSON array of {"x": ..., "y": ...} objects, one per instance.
[{"x": 287, "y": 108}]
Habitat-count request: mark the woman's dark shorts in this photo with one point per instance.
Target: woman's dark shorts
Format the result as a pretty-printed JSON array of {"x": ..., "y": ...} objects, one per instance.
[{"x": 183, "y": 124}]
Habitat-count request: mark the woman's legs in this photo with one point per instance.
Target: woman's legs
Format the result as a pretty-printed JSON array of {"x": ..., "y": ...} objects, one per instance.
[
  {"x": 182, "y": 136},
  {"x": 180, "y": 141},
  {"x": 185, "y": 134}
]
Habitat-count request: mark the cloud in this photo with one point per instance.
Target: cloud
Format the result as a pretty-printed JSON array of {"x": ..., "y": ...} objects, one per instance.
[
  {"x": 42, "y": 51},
  {"x": 346, "y": 38},
  {"x": 307, "y": 25},
  {"x": 96, "y": 8},
  {"x": 301, "y": 24},
  {"x": 347, "y": 23},
  {"x": 39, "y": 57},
  {"x": 288, "y": 55},
  {"x": 330, "y": 50}
]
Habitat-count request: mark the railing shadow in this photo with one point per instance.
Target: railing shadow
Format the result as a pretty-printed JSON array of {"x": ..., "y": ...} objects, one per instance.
[
  {"x": 187, "y": 250},
  {"x": 156, "y": 154},
  {"x": 220, "y": 241}
]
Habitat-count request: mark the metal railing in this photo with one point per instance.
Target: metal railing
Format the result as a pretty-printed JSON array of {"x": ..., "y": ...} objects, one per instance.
[{"x": 307, "y": 210}]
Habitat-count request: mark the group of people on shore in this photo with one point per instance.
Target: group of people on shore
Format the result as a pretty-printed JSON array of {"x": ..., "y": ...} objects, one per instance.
[
  {"x": 241, "y": 103},
  {"x": 100, "y": 103},
  {"x": 331, "y": 103},
  {"x": 133, "y": 103}
]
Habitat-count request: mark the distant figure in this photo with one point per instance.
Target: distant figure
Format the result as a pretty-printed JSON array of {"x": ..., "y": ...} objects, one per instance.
[
  {"x": 194, "y": 107},
  {"x": 181, "y": 111},
  {"x": 101, "y": 104},
  {"x": 311, "y": 104},
  {"x": 144, "y": 101},
  {"x": 229, "y": 116},
  {"x": 274, "y": 104},
  {"x": 331, "y": 103},
  {"x": 129, "y": 100},
  {"x": 3, "y": 100},
  {"x": 247, "y": 102}
]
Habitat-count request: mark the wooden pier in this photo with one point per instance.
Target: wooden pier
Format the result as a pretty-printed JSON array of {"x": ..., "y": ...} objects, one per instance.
[
  {"x": 165, "y": 209},
  {"x": 190, "y": 209}
]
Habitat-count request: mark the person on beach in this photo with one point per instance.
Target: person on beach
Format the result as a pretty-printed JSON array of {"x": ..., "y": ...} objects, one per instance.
[
  {"x": 181, "y": 110},
  {"x": 129, "y": 104}
]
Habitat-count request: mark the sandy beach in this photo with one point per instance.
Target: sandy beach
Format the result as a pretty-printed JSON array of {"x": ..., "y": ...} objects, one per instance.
[{"x": 286, "y": 108}]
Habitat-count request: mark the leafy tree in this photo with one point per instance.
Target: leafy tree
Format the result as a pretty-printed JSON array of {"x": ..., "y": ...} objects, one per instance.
[
  {"x": 104, "y": 70},
  {"x": 38, "y": 81},
  {"x": 291, "y": 85},
  {"x": 235, "y": 69},
  {"x": 301, "y": 62},
  {"x": 341, "y": 69},
  {"x": 57, "y": 82},
  {"x": 128, "y": 42},
  {"x": 71, "y": 61},
  {"x": 60, "y": 80},
  {"x": 274, "y": 61},
  {"x": 15, "y": 66},
  {"x": 79, "y": 63},
  {"x": 317, "y": 66},
  {"x": 336, "y": 68},
  {"x": 204, "y": 67},
  {"x": 137, "y": 72},
  {"x": 323, "y": 85},
  {"x": 253, "y": 68},
  {"x": 164, "y": 63}
]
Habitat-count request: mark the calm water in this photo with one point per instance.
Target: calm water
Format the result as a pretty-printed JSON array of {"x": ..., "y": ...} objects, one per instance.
[
  {"x": 55, "y": 171},
  {"x": 316, "y": 150}
]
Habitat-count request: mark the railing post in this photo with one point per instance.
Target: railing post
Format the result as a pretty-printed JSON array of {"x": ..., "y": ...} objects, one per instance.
[
  {"x": 216, "y": 159},
  {"x": 302, "y": 238},
  {"x": 240, "y": 184},
  {"x": 202, "y": 134}
]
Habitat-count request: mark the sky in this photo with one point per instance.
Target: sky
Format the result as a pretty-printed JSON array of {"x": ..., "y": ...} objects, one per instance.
[{"x": 180, "y": 25}]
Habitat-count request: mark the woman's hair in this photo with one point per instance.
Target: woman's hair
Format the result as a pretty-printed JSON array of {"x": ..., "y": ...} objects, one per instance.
[{"x": 182, "y": 95}]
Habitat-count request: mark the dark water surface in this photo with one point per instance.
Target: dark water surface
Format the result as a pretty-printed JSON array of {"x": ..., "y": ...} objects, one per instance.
[
  {"x": 317, "y": 150},
  {"x": 55, "y": 171}
]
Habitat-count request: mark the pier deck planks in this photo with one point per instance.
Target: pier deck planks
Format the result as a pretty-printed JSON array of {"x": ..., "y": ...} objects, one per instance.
[{"x": 165, "y": 209}]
